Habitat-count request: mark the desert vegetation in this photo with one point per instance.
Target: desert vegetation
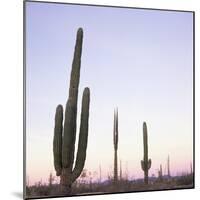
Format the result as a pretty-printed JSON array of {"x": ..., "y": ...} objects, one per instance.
[
  {"x": 84, "y": 185},
  {"x": 115, "y": 142}
]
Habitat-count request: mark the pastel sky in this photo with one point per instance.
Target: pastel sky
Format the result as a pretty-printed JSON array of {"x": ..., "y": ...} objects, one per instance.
[{"x": 140, "y": 61}]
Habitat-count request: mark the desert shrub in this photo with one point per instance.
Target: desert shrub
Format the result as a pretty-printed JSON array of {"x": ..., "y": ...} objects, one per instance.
[{"x": 185, "y": 180}]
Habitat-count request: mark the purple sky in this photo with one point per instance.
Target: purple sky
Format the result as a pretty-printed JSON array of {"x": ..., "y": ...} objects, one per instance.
[{"x": 137, "y": 60}]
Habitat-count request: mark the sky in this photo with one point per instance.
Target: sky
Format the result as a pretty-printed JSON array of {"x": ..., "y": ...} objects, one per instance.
[{"x": 138, "y": 60}]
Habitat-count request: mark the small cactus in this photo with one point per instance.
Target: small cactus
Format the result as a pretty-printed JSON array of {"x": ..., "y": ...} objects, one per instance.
[
  {"x": 115, "y": 142},
  {"x": 168, "y": 167},
  {"x": 160, "y": 174},
  {"x": 146, "y": 162},
  {"x": 65, "y": 132},
  {"x": 120, "y": 171}
]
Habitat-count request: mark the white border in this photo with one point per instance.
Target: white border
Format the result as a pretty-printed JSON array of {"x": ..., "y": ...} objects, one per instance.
[{"x": 11, "y": 100}]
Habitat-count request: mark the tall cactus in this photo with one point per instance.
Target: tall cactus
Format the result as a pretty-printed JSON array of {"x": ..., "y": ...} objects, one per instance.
[
  {"x": 146, "y": 162},
  {"x": 115, "y": 142},
  {"x": 65, "y": 132}
]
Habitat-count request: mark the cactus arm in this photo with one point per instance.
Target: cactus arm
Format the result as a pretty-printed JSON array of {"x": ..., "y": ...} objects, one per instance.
[
  {"x": 67, "y": 136},
  {"x": 83, "y": 136},
  {"x": 149, "y": 164},
  {"x": 57, "y": 140},
  {"x": 142, "y": 165}
]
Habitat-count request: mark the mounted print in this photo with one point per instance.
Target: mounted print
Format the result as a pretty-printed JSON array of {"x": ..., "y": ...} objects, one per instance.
[{"x": 108, "y": 99}]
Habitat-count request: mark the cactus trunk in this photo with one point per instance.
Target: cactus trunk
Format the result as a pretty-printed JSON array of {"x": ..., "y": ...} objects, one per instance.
[
  {"x": 146, "y": 162},
  {"x": 65, "y": 136},
  {"x": 115, "y": 141},
  {"x": 115, "y": 167}
]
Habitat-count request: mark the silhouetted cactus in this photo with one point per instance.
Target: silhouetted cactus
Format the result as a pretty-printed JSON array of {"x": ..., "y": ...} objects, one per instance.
[
  {"x": 65, "y": 132},
  {"x": 115, "y": 142},
  {"x": 168, "y": 167},
  {"x": 160, "y": 174},
  {"x": 146, "y": 162},
  {"x": 120, "y": 170}
]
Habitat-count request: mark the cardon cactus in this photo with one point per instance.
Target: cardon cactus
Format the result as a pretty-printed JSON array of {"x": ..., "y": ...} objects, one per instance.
[
  {"x": 115, "y": 142},
  {"x": 65, "y": 132},
  {"x": 145, "y": 163}
]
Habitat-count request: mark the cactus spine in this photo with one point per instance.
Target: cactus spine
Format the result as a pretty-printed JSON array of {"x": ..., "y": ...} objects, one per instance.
[
  {"x": 115, "y": 142},
  {"x": 65, "y": 132},
  {"x": 146, "y": 162}
]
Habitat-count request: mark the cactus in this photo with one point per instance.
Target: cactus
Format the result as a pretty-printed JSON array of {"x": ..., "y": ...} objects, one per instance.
[
  {"x": 160, "y": 174},
  {"x": 65, "y": 132},
  {"x": 120, "y": 171},
  {"x": 168, "y": 167},
  {"x": 115, "y": 141},
  {"x": 146, "y": 162}
]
